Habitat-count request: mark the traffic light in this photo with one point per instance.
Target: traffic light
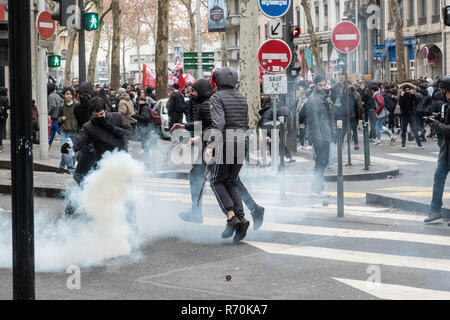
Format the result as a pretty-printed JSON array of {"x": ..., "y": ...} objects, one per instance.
[
  {"x": 446, "y": 15},
  {"x": 295, "y": 32},
  {"x": 54, "y": 61},
  {"x": 90, "y": 21},
  {"x": 62, "y": 13}
]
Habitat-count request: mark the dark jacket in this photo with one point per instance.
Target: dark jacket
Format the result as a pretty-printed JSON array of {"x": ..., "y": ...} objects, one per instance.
[
  {"x": 438, "y": 101},
  {"x": 368, "y": 101},
  {"x": 176, "y": 107},
  {"x": 443, "y": 129},
  {"x": 319, "y": 119},
  {"x": 408, "y": 104},
  {"x": 144, "y": 119},
  {"x": 104, "y": 140},
  {"x": 229, "y": 108},
  {"x": 199, "y": 106},
  {"x": 423, "y": 102},
  {"x": 4, "y": 103}
]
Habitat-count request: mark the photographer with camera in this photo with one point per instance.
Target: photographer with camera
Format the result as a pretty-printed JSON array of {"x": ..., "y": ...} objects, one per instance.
[{"x": 440, "y": 122}]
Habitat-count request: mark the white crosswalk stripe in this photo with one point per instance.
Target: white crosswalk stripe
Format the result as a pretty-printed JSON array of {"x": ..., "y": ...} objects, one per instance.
[
  {"x": 411, "y": 156},
  {"x": 385, "y": 161}
]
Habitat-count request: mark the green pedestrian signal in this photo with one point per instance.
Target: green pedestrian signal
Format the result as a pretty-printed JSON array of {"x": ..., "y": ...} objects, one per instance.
[
  {"x": 54, "y": 61},
  {"x": 90, "y": 21}
]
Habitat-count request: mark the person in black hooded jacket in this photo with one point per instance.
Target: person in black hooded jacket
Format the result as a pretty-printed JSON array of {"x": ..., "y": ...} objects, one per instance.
[
  {"x": 199, "y": 111},
  {"x": 4, "y": 106},
  {"x": 81, "y": 110},
  {"x": 436, "y": 107}
]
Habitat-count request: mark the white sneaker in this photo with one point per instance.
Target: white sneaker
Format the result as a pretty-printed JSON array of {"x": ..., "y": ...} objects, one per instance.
[
  {"x": 308, "y": 148},
  {"x": 420, "y": 147},
  {"x": 393, "y": 139}
]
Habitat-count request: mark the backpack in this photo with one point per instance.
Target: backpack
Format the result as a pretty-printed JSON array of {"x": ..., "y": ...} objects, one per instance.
[
  {"x": 388, "y": 103},
  {"x": 155, "y": 118}
]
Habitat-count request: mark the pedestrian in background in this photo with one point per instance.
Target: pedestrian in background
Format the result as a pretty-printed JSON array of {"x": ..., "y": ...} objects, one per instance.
[
  {"x": 54, "y": 104},
  {"x": 69, "y": 123}
]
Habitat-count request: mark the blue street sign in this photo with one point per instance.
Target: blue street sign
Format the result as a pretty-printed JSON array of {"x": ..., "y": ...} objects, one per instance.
[
  {"x": 274, "y": 8},
  {"x": 379, "y": 51}
]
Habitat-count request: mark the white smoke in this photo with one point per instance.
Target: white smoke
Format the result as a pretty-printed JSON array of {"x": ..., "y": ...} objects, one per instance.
[{"x": 99, "y": 229}]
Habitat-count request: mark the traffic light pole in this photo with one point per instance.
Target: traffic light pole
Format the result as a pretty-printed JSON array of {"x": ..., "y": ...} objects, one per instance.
[
  {"x": 81, "y": 46},
  {"x": 21, "y": 150},
  {"x": 199, "y": 42}
]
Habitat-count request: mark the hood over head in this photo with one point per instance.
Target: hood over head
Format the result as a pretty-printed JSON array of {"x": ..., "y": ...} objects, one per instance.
[
  {"x": 226, "y": 78},
  {"x": 87, "y": 88},
  {"x": 204, "y": 89},
  {"x": 3, "y": 92}
]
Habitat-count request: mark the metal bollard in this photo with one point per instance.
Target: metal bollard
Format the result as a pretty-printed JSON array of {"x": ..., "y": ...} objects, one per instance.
[
  {"x": 340, "y": 176},
  {"x": 282, "y": 165},
  {"x": 366, "y": 146}
]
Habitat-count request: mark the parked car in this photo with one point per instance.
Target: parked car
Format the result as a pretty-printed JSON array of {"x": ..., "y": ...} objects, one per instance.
[{"x": 161, "y": 109}]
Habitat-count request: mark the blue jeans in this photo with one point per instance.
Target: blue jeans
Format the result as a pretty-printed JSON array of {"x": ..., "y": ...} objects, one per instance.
[
  {"x": 73, "y": 137},
  {"x": 440, "y": 176},
  {"x": 66, "y": 160},
  {"x": 380, "y": 127},
  {"x": 53, "y": 130}
]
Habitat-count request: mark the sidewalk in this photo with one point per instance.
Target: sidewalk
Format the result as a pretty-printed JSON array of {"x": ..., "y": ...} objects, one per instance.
[{"x": 48, "y": 183}]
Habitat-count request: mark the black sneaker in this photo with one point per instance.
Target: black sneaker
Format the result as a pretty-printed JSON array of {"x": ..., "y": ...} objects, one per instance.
[
  {"x": 241, "y": 230},
  {"x": 232, "y": 225},
  {"x": 191, "y": 217},
  {"x": 60, "y": 170},
  {"x": 258, "y": 216},
  {"x": 433, "y": 217}
]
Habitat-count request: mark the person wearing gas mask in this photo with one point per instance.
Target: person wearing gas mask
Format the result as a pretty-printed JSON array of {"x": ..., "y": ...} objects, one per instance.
[
  {"x": 440, "y": 122},
  {"x": 320, "y": 131}
]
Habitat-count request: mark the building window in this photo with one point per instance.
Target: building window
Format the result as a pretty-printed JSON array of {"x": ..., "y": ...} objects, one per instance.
[
  {"x": 298, "y": 16},
  {"x": 236, "y": 37},
  {"x": 436, "y": 11},
  {"x": 410, "y": 21},
  {"x": 422, "y": 12},
  {"x": 236, "y": 6},
  {"x": 325, "y": 14}
]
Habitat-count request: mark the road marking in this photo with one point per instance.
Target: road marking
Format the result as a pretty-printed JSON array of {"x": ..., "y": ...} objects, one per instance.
[
  {"x": 380, "y": 160},
  {"x": 345, "y": 233},
  {"x": 301, "y": 159},
  {"x": 407, "y": 189},
  {"x": 354, "y": 256},
  {"x": 411, "y": 156},
  {"x": 395, "y": 292}
]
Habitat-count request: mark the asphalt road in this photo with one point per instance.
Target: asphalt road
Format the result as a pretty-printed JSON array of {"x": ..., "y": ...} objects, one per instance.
[{"x": 303, "y": 250}]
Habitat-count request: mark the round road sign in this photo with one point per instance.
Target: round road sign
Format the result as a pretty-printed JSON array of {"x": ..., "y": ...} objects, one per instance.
[
  {"x": 274, "y": 56},
  {"x": 274, "y": 8},
  {"x": 46, "y": 25},
  {"x": 346, "y": 37}
]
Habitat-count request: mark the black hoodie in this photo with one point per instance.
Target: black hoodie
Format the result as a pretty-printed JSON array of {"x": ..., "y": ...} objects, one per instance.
[{"x": 200, "y": 105}]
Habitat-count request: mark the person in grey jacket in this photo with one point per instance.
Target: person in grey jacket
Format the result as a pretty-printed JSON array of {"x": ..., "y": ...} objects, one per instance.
[
  {"x": 55, "y": 102},
  {"x": 320, "y": 131},
  {"x": 229, "y": 115}
]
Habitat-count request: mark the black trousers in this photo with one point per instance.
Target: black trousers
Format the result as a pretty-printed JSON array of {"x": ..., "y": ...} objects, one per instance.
[
  {"x": 196, "y": 178},
  {"x": 353, "y": 127},
  {"x": 411, "y": 121}
]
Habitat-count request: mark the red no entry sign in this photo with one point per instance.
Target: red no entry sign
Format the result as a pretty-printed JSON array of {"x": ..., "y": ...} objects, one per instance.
[
  {"x": 346, "y": 37},
  {"x": 274, "y": 56},
  {"x": 45, "y": 24}
]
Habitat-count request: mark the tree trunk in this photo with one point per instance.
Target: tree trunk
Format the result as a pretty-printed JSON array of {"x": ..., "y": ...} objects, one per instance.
[
  {"x": 115, "y": 59},
  {"x": 249, "y": 75},
  {"x": 123, "y": 61},
  {"x": 223, "y": 48},
  {"x": 108, "y": 59},
  {"x": 95, "y": 45},
  {"x": 399, "y": 45},
  {"x": 162, "y": 43},
  {"x": 68, "y": 70},
  {"x": 317, "y": 67},
  {"x": 193, "y": 40}
]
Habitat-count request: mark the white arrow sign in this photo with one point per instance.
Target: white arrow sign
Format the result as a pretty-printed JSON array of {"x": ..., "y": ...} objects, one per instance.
[{"x": 275, "y": 29}]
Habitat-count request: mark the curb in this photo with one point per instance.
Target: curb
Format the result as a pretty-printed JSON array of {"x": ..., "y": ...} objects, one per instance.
[
  {"x": 6, "y": 165},
  {"x": 408, "y": 205},
  {"x": 44, "y": 192}
]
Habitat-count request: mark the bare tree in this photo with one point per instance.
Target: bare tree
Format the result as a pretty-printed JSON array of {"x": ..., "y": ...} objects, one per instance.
[
  {"x": 115, "y": 59},
  {"x": 96, "y": 41},
  {"x": 399, "y": 45},
  {"x": 191, "y": 15},
  {"x": 67, "y": 71},
  {"x": 313, "y": 40},
  {"x": 162, "y": 42}
]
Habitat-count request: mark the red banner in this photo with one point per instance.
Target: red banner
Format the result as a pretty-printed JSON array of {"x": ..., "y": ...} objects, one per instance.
[
  {"x": 149, "y": 77},
  {"x": 2, "y": 12}
]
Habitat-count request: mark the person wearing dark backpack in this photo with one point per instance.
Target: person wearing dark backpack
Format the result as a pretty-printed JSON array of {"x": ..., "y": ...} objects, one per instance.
[
  {"x": 176, "y": 106},
  {"x": 408, "y": 103}
]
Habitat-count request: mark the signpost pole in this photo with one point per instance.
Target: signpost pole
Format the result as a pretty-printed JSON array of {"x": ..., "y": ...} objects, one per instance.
[
  {"x": 274, "y": 136},
  {"x": 199, "y": 42},
  {"x": 82, "y": 47},
  {"x": 347, "y": 99}
]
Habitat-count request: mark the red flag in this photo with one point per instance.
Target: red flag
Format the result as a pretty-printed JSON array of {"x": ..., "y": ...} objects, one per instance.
[
  {"x": 211, "y": 80},
  {"x": 181, "y": 79},
  {"x": 149, "y": 77}
]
